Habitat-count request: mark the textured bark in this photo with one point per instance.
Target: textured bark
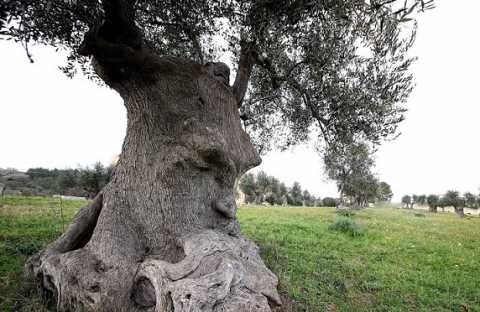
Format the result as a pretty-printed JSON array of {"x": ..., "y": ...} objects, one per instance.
[
  {"x": 162, "y": 235},
  {"x": 459, "y": 211}
]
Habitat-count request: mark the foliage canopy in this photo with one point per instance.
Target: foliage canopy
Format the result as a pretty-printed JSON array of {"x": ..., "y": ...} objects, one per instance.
[{"x": 339, "y": 66}]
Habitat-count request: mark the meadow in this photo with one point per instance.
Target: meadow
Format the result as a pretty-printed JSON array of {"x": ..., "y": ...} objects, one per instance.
[{"x": 402, "y": 260}]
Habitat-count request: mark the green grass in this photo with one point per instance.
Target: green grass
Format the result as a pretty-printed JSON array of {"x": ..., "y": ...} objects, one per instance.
[
  {"x": 26, "y": 225},
  {"x": 401, "y": 263}
]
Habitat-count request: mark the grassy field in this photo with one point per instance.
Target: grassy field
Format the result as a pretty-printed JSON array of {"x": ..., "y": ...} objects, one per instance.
[{"x": 404, "y": 261}]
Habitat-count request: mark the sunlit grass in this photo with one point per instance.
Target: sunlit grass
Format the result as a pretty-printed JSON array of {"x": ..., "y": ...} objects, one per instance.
[{"x": 402, "y": 263}]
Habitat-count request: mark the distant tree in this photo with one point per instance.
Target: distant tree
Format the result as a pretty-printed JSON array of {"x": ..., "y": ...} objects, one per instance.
[
  {"x": 470, "y": 200},
  {"x": 308, "y": 200},
  {"x": 263, "y": 186},
  {"x": 93, "y": 180},
  {"x": 414, "y": 201},
  {"x": 348, "y": 164},
  {"x": 385, "y": 193},
  {"x": 35, "y": 173},
  {"x": 460, "y": 207},
  {"x": 47, "y": 179},
  {"x": 452, "y": 198},
  {"x": 67, "y": 179},
  {"x": 422, "y": 199},
  {"x": 442, "y": 203},
  {"x": 248, "y": 186},
  {"x": 89, "y": 182},
  {"x": 296, "y": 195},
  {"x": 76, "y": 182},
  {"x": 406, "y": 201},
  {"x": 283, "y": 193},
  {"x": 329, "y": 202},
  {"x": 433, "y": 202},
  {"x": 362, "y": 190},
  {"x": 275, "y": 198}
]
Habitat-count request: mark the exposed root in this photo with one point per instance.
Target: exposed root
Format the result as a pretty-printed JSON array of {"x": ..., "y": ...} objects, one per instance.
[
  {"x": 75, "y": 237},
  {"x": 219, "y": 273},
  {"x": 81, "y": 229}
]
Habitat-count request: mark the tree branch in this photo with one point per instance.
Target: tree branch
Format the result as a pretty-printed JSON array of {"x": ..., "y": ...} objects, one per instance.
[
  {"x": 315, "y": 114},
  {"x": 248, "y": 58},
  {"x": 117, "y": 28}
]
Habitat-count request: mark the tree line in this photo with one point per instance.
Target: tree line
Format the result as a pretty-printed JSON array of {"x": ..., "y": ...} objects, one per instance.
[
  {"x": 259, "y": 188},
  {"x": 82, "y": 182},
  {"x": 449, "y": 199}
]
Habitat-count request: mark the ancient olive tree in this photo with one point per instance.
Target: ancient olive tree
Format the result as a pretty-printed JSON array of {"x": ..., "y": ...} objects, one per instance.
[
  {"x": 407, "y": 201},
  {"x": 414, "y": 200},
  {"x": 422, "y": 199},
  {"x": 248, "y": 187},
  {"x": 308, "y": 199},
  {"x": 295, "y": 195},
  {"x": 163, "y": 235},
  {"x": 350, "y": 166},
  {"x": 453, "y": 199},
  {"x": 433, "y": 202},
  {"x": 385, "y": 193},
  {"x": 471, "y": 200}
]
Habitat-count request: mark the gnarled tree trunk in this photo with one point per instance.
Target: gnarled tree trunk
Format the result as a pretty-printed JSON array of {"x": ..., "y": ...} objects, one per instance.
[
  {"x": 459, "y": 211},
  {"x": 162, "y": 235}
]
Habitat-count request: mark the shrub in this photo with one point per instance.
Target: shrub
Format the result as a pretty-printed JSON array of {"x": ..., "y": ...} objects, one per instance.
[
  {"x": 345, "y": 212},
  {"x": 349, "y": 226}
]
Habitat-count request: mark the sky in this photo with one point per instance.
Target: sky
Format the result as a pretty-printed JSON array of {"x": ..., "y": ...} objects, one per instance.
[{"x": 49, "y": 120}]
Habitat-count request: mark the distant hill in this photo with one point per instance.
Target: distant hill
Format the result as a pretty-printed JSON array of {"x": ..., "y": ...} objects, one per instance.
[
  {"x": 82, "y": 182},
  {"x": 14, "y": 182}
]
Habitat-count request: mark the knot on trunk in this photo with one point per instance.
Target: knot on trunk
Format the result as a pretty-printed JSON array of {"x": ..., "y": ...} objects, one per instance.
[
  {"x": 220, "y": 71},
  {"x": 226, "y": 207}
]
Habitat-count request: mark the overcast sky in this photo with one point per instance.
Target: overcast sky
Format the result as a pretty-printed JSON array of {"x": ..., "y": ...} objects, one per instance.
[{"x": 48, "y": 120}]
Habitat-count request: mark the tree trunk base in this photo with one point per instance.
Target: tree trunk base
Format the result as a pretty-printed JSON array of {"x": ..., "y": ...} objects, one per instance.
[{"x": 219, "y": 272}]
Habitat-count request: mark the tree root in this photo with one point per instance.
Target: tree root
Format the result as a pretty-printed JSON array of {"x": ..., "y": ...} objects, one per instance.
[{"x": 219, "y": 273}]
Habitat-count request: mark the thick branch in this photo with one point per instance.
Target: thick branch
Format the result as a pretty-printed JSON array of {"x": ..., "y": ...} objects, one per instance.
[
  {"x": 247, "y": 60},
  {"x": 116, "y": 30}
]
